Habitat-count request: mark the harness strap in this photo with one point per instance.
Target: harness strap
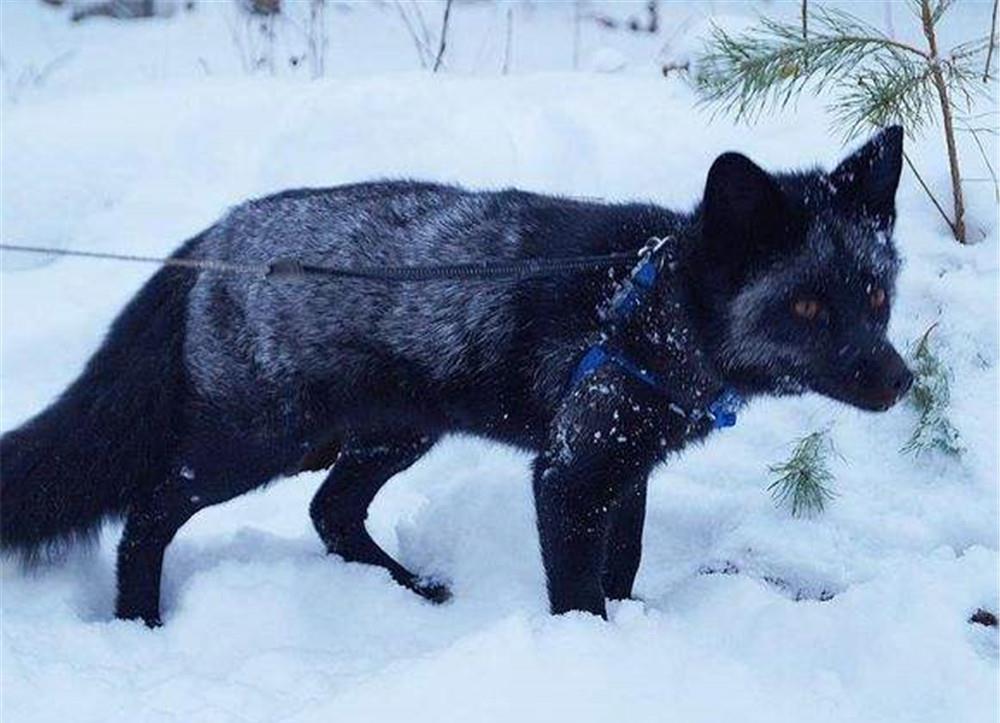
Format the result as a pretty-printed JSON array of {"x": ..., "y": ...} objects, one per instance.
[
  {"x": 723, "y": 410},
  {"x": 626, "y": 301}
]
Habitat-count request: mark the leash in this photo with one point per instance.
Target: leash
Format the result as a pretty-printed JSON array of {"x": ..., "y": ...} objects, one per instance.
[
  {"x": 472, "y": 271},
  {"x": 625, "y": 302}
]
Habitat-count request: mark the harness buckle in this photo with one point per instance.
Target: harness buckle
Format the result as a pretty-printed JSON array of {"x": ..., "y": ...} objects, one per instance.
[{"x": 653, "y": 246}]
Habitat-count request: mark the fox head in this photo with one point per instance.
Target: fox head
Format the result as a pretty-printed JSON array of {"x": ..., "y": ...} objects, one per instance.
[{"x": 795, "y": 274}]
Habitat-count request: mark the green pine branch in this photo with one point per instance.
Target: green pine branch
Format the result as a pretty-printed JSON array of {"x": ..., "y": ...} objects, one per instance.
[
  {"x": 770, "y": 65},
  {"x": 871, "y": 79},
  {"x": 885, "y": 95},
  {"x": 804, "y": 479},
  {"x": 930, "y": 396}
]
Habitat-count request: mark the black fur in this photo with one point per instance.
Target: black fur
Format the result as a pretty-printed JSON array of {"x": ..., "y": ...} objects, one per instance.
[
  {"x": 211, "y": 385},
  {"x": 107, "y": 435}
]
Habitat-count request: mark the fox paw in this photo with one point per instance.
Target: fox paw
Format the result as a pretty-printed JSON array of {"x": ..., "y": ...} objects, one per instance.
[
  {"x": 436, "y": 592},
  {"x": 150, "y": 620}
]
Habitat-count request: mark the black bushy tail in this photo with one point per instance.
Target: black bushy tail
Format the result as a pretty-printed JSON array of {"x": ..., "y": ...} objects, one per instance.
[{"x": 108, "y": 437}]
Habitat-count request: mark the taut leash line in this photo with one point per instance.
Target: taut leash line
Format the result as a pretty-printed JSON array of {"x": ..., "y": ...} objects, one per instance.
[{"x": 513, "y": 269}]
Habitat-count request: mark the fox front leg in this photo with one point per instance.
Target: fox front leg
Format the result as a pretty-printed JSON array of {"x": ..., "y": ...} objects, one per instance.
[
  {"x": 624, "y": 547},
  {"x": 602, "y": 440}
]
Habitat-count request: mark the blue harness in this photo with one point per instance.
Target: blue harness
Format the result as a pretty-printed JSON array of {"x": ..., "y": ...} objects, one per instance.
[{"x": 625, "y": 302}]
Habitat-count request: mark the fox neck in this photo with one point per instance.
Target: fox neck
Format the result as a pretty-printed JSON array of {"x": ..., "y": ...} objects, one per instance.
[
  {"x": 665, "y": 336},
  {"x": 698, "y": 302},
  {"x": 708, "y": 296}
]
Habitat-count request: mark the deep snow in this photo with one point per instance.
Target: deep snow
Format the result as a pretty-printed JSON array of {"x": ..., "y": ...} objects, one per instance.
[{"x": 133, "y": 145}]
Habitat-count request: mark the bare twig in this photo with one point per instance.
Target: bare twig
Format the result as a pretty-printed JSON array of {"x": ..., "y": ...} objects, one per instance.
[
  {"x": 32, "y": 76},
  {"x": 235, "y": 25},
  {"x": 425, "y": 31},
  {"x": 977, "y": 116},
  {"x": 43, "y": 73},
  {"x": 508, "y": 42},
  {"x": 927, "y": 334},
  {"x": 805, "y": 19},
  {"x": 317, "y": 39},
  {"x": 958, "y": 223},
  {"x": 577, "y": 24},
  {"x": 993, "y": 42},
  {"x": 267, "y": 31},
  {"x": 443, "y": 42},
  {"x": 986, "y": 160},
  {"x": 978, "y": 129},
  {"x": 414, "y": 36},
  {"x": 927, "y": 190},
  {"x": 679, "y": 30},
  {"x": 652, "y": 23}
]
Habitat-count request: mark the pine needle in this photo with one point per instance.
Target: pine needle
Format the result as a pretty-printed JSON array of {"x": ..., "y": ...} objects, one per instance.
[
  {"x": 930, "y": 396},
  {"x": 804, "y": 478},
  {"x": 872, "y": 79}
]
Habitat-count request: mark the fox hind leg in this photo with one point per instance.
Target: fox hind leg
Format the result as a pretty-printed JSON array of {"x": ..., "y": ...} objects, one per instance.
[
  {"x": 210, "y": 469},
  {"x": 340, "y": 506},
  {"x": 150, "y": 525}
]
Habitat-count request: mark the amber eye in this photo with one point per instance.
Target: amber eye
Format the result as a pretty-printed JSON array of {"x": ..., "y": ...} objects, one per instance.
[
  {"x": 877, "y": 298},
  {"x": 806, "y": 308}
]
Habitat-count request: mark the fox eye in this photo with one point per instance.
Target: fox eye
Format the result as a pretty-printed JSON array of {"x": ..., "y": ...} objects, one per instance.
[
  {"x": 807, "y": 308},
  {"x": 877, "y": 298}
]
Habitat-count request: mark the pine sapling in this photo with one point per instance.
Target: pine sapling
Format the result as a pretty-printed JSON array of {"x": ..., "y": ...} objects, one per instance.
[
  {"x": 803, "y": 483},
  {"x": 930, "y": 396},
  {"x": 870, "y": 78}
]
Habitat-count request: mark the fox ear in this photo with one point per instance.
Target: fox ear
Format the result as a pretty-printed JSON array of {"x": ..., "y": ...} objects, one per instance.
[
  {"x": 869, "y": 176},
  {"x": 744, "y": 213}
]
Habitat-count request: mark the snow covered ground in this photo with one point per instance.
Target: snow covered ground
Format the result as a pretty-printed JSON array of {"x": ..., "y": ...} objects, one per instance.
[{"x": 143, "y": 133}]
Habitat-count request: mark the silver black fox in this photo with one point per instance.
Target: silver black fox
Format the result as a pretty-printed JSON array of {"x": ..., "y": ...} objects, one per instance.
[{"x": 210, "y": 385}]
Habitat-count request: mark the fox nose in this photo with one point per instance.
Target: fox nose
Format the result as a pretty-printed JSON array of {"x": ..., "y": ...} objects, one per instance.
[
  {"x": 896, "y": 378},
  {"x": 901, "y": 381},
  {"x": 885, "y": 376}
]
